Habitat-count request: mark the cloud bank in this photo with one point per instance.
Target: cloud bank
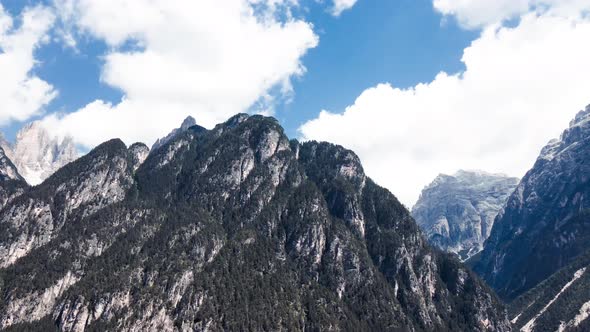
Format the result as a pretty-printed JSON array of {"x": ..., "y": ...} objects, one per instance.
[
  {"x": 478, "y": 13},
  {"x": 173, "y": 58},
  {"x": 520, "y": 88}
]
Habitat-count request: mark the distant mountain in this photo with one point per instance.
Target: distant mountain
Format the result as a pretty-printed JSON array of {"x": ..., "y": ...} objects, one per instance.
[
  {"x": 36, "y": 154},
  {"x": 457, "y": 211},
  {"x": 234, "y": 228},
  {"x": 560, "y": 303},
  {"x": 544, "y": 225},
  {"x": 186, "y": 124}
]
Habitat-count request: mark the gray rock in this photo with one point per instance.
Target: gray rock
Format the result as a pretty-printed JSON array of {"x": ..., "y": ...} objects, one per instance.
[{"x": 456, "y": 212}]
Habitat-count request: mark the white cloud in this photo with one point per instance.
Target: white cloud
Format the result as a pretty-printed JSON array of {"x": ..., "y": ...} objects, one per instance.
[
  {"x": 22, "y": 94},
  {"x": 341, "y": 5},
  {"x": 520, "y": 88},
  {"x": 172, "y": 58},
  {"x": 478, "y": 13}
]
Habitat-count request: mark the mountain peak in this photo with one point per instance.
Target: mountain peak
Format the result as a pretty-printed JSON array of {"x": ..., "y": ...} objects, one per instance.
[
  {"x": 37, "y": 154},
  {"x": 187, "y": 123},
  {"x": 457, "y": 211}
]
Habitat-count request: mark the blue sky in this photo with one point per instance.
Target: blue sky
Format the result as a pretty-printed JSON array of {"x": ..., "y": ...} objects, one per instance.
[
  {"x": 414, "y": 87},
  {"x": 403, "y": 42}
]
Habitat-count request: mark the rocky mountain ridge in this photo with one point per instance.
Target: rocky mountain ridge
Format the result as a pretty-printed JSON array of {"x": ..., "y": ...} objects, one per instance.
[
  {"x": 456, "y": 212},
  {"x": 544, "y": 225},
  {"x": 234, "y": 228}
]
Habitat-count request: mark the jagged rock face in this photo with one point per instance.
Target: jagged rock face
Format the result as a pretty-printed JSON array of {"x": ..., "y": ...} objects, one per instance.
[
  {"x": 78, "y": 190},
  {"x": 8, "y": 171},
  {"x": 456, "y": 212},
  {"x": 139, "y": 153},
  {"x": 12, "y": 183},
  {"x": 238, "y": 228},
  {"x": 560, "y": 303},
  {"x": 37, "y": 155},
  {"x": 543, "y": 226},
  {"x": 186, "y": 124}
]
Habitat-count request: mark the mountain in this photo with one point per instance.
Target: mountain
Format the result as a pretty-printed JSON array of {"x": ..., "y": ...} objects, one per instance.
[
  {"x": 186, "y": 124},
  {"x": 456, "y": 212},
  {"x": 234, "y": 228},
  {"x": 12, "y": 184},
  {"x": 560, "y": 303},
  {"x": 545, "y": 222},
  {"x": 37, "y": 154}
]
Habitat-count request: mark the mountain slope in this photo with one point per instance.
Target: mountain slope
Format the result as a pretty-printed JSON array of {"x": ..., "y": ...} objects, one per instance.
[
  {"x": 12, "y": 184},
  {"x": 238, "y": 228},
  {"x": 457, "y": 211},
  {"x": 560, "y": 303},
  {"x": 79, "y": 189},
  {"x": 543, "y": 226}
]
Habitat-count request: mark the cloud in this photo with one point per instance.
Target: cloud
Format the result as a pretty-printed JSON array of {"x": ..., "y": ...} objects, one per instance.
[
  {"x": 22, "y": 93},
  {"x": 479, "y": 13},
  {"x": 520, "y": 88},
  {"x": 341, "y": 5},
  {"x": 173, "y": 58}
]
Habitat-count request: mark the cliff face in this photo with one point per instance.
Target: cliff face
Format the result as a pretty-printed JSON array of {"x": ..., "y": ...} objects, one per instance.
[
  {"x": 544, "y": 225},
  {"x": 234, "y": 228},
  {"x": 456, "y": 212}
]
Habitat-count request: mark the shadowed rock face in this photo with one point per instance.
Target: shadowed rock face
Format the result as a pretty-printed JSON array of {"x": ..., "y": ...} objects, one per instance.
[
  {"x": 234, "y": 228},
  {"x": 456, "y": 212},
  {"x": 543, "y": 226},
  {"x": 12, "y": 184},
  {"x": 559, "y": 303}
]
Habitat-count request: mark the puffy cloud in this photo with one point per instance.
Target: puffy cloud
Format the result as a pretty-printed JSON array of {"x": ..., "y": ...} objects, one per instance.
[
  {"x": 22, "y": 93},
  {"x": 478, "y": 13},
  {"x": 173, "y": 58},
  {"x": 341, "y": 5},
  {"x": 520, "y": 88}
]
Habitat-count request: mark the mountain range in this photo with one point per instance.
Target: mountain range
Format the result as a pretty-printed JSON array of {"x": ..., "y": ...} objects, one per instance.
[
  {"x": 239, "y": 228},
  {"x": 233, "y": 228}
]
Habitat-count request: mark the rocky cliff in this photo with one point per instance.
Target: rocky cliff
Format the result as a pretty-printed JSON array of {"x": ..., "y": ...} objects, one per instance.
[{"x": 456, "y": 212}]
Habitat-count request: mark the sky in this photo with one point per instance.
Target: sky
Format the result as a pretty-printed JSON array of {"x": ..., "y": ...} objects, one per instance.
[{"x": 415, "y": 87}]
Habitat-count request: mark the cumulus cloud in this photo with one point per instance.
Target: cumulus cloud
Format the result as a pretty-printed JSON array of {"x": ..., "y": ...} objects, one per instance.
[
  {"x": 22, "y": 93},
  {"x": 478, "y": 13},
  {"x": 341, "y": 5},
  {"x": 520, "y": 88},
  {"x": 173, "y": 58}
]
